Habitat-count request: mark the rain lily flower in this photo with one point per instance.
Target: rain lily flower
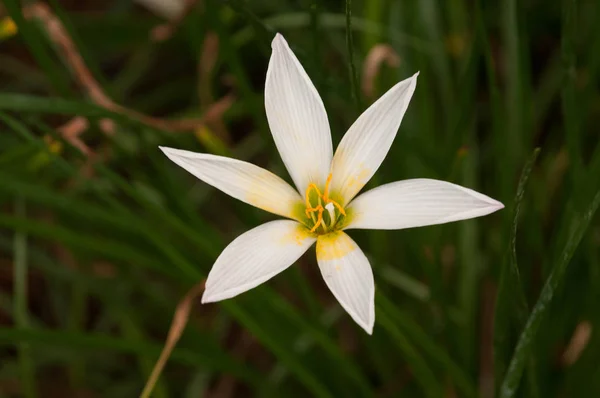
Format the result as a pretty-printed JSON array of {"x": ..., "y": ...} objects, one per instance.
[{"x": 325, "y": 204}]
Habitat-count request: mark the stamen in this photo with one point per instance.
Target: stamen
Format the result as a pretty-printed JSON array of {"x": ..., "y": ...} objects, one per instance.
[
  {"x": 309, "y": 210},
  {"x": 310, "y": 188},
  {"x": 312, "y": 217},
  {"x": 323, "y": 200},
  {"x": 319, "y": 219},
  {"x": 307, "y": 194}
]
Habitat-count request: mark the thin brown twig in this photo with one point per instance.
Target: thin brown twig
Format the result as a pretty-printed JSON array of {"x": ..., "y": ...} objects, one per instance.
[
  {"x": 206, "y": 65},
  {"x": 180, "y": 319},
  {"x": 71, "y": 131},
  {"x": 58, "y": 34}
]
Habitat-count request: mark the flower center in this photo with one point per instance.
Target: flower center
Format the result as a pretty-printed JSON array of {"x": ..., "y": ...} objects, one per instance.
[{"x": 322, "y": 221}]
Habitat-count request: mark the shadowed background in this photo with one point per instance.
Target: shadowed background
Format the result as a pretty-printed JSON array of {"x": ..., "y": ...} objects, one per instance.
[{"x": 101, "y": 235}]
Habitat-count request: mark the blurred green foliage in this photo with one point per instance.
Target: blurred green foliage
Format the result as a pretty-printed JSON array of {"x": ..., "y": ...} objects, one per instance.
[{"x": 97, "y": 250}]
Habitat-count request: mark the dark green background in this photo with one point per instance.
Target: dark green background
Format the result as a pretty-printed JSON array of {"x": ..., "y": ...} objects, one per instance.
[{"x": 106, "y": 248}]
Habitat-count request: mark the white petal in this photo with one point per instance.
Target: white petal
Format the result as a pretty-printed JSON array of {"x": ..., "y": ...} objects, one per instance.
[
  {"x": 369, "y": 139},
  {"x": 297, "y": 118},
  {"x": 255, "y": 257},
  {"x": 348, "y": 275},
  {"x": 242, "y": 180},
  {"x": 416, "y": 203}
]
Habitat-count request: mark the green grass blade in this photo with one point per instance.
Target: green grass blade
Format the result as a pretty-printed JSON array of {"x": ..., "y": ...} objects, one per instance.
[
  {"x": 133, "y": 332},
  {"x": 36, "y": 104},
  {"x": 21, "y": 312},
  {"x": 352, "y": 371},
  {"x": 35, "y": 41},
  {"x": 350, "y": 48},
  {"x": 525, "y": 344},
  {"x": 102, "y": 342},
  {"x": 415, "y": 333},
  {"x": 423, "y": 373},
  {"x": 405, "y": 283},
  {"x": 109, "y": 248},
  {"x": 510, "y": 300},
  {"x": 569, "y": 96},
  {"x": 306, "y": 377},
  {"x": 514, "y": 139}
]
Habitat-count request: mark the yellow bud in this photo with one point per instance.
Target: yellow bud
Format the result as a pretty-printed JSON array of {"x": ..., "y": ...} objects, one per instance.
[{"x": 8, "y": 28}]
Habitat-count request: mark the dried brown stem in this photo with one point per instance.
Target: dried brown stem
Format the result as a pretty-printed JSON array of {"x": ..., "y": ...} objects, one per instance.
[
  {"x": 71, "y": 131},
  {"x": 379, "y": 54},
  {"x": 180, "y": 319},
  {"x": 71, "y": 56},
  {"x": 578, "y": 343},
  {"x": 59, "y": 36}
]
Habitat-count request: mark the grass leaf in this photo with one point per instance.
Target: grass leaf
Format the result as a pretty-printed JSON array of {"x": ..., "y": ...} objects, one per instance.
[
  {"x": 511, "y": 305},
  {"x": 540, "y": 309}
]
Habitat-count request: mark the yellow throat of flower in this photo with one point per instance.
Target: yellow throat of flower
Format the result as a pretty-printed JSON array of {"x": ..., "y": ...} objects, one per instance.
[{"x": 323, "y": 202}]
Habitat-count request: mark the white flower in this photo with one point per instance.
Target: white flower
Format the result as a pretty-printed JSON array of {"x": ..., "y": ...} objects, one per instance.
[{"x": 324, "y": 205}]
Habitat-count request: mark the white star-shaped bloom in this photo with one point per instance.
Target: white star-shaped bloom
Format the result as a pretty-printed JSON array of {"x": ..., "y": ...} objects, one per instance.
[{"x": 324, "y": 205}]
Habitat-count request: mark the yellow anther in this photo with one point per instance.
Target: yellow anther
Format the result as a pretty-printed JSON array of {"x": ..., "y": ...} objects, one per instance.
[
  {"x": 326, "y": 195},
  {"x": 307, "y": 194},
  {"x": 324, "y": 200},
  {"x": 319, "y": 219},
  {"x": 8, "y": 28},
  {"x": 310, "y": 210}
]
